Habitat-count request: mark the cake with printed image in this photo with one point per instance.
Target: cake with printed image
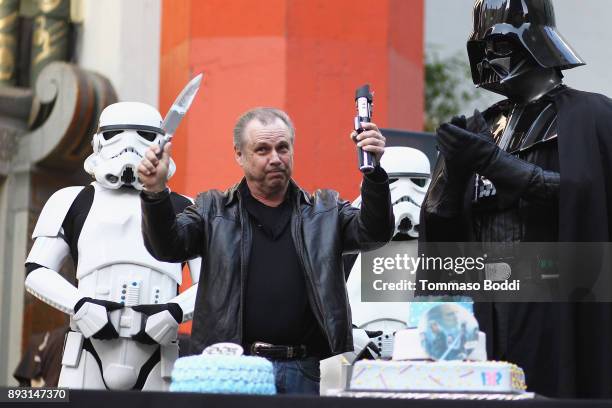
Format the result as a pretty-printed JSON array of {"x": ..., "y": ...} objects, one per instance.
[
  {"x": 441, "y": 331},
  {"x": 441, "y": 353},
  {"x": 222, "y": 369}
]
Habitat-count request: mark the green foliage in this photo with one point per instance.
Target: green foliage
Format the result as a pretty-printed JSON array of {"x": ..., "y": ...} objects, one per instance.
[{"x": 448, "y": 88}]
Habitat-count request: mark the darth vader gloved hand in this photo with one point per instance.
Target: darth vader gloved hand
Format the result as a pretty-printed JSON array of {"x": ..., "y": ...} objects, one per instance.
[
  {"x": 161, "y": 324},
  {"x": 512, "y": 177},
  {"x": 467, "y": 149},
  {"x": 450, "y": 179},
  {"x": 91, "y": 318},
  {"x": 450, "y": 145}
]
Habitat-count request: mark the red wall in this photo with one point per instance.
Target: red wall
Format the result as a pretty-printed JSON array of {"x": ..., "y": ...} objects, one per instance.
[
  {"x": 303, "y": 56},
  {"x": 306, "y": 57}
]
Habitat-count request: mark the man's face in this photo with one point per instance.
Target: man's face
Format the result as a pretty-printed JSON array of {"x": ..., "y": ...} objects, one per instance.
[
  {"x": 449, "y": 317},
  {"x": 266, "y": 155}
]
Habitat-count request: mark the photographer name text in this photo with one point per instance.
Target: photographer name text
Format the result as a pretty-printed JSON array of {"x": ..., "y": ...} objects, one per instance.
[{"x": 423, "y": 284}]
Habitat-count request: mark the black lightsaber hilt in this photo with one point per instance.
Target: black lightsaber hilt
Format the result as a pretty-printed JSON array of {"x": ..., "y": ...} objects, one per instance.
[{"x": 363, "y": 102}]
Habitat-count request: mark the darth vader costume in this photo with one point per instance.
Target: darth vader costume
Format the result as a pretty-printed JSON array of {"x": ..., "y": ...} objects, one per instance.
[{"x": 535, "y": 167}]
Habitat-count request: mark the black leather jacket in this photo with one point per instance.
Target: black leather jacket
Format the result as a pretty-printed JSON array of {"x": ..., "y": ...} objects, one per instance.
[{"x": 323, "y": 228}]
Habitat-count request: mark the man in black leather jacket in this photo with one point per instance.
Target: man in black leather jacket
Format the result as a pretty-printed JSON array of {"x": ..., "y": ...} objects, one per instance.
[{"x": 272, "y": 275}]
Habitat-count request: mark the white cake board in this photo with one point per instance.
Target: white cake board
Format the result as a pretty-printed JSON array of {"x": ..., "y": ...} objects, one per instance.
[{"x": 431, "y": 395}]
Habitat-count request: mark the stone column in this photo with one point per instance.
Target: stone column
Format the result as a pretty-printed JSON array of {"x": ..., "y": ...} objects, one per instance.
[
  {"x": 50, "y": 34},
  {"x": 33, "y": 165},
  {"x": 9, "y": 33}
]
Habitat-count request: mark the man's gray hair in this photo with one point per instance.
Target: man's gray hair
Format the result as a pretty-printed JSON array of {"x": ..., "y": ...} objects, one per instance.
[{"x": 265, "y": 116}]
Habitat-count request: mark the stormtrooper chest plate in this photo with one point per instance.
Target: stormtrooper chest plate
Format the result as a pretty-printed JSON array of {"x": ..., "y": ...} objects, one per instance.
[{"x": 111, "y": 236}]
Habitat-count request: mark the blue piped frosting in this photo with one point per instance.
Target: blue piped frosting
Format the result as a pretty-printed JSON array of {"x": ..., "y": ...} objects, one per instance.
[{"x": 223, "y": 374}]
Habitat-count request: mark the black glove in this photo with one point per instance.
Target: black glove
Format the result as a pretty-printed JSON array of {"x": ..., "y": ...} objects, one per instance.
[
  {"x": 149, "y": 310},
  {"x": 513, "y": 178},
  {"x": 449, "y": 144},
  {"x": 468, "y": 150},
  {"x": 108, "y": 332},
  {"x": 450, "y": 179},
  {"x": 477, "y": 124}
]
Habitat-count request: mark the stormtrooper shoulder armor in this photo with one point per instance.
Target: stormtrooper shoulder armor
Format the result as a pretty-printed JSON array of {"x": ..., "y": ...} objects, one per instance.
[{"x": 53, "y": 213}]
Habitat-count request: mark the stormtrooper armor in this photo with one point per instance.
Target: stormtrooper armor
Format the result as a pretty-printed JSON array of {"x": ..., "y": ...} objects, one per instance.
[
  {"x": 126, "y": 130},
  {"x": 409, "y": 177},
  {"x": 125, "y": 310},
  {"x": 375, "y": 324}
]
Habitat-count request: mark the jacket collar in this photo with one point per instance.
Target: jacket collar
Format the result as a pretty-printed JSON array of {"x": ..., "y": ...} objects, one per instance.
[{"x": 233, "y": 193}]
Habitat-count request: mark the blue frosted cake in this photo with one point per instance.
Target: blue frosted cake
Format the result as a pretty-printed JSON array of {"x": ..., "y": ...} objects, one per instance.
[{"x": 223, "y": 374}]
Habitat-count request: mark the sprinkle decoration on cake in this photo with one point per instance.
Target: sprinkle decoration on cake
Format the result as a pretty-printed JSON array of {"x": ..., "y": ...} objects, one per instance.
[
  {"x": 440, "y": 376},
  {"x": 222, "y": 369},
  {"x": 442, "y": 354}
]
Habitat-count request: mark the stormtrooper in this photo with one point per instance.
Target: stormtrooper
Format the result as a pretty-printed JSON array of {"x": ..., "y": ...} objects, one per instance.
[
  {"x": 531, "y": 168},
  {"x": 375, "y": 323},
  {"x": 409, "y": 177},
  {"x": 125, "y": 310}
]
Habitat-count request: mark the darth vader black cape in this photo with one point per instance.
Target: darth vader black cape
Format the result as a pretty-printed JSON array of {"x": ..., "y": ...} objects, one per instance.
[{"x": 565, "y": 348}]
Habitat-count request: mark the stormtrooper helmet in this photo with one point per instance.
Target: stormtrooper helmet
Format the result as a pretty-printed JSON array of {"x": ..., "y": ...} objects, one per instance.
[
  {"x": 125, "y": 131},
  {"x": 409, "y": 177}
]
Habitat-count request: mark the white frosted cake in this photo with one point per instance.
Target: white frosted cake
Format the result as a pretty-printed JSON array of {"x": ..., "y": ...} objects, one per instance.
[
  {"x": 223, "y": 371},
  {"x": 439, "y": 376},
  {"x": 446, "y": 354}
]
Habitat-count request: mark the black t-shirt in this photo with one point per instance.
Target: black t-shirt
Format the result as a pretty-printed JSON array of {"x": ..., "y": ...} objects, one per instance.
[{"x": 277, "y": 309}]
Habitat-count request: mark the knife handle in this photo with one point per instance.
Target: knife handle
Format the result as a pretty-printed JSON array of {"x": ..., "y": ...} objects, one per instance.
[{"x": 163, "y": 142}]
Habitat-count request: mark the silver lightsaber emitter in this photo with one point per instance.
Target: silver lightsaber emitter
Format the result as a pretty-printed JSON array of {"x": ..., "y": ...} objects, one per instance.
[{"x": 363, "y": 102}]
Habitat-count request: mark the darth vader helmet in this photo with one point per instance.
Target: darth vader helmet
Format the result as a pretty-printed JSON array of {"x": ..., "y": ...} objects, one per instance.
[
  {"x": 511, "y": 40},
  {"x": 125, "y": 131}
]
